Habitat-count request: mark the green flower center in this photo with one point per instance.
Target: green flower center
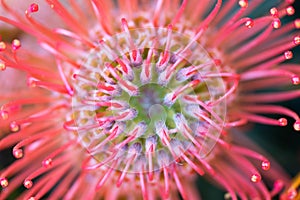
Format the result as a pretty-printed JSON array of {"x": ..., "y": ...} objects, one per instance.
[{"x": 147, "y": 91}]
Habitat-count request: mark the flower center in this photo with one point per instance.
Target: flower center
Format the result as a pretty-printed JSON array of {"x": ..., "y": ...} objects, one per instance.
[
  {"x": 150, "y": 104},
  {"x": 147, "y": 92}
]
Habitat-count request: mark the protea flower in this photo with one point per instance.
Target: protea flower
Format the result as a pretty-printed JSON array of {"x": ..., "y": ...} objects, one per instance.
[{"x": 133, "y": 99}]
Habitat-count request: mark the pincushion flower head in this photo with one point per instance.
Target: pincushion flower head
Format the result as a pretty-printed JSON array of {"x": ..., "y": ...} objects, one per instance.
[{"x": 132, "y": 99}]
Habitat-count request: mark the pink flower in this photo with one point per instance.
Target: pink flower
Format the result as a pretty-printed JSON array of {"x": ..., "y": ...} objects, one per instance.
[{"x": 134, "y": 99}]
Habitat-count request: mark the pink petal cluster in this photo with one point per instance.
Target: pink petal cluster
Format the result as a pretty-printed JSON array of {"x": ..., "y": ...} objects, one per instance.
[{"x": 132, "y": 99}]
